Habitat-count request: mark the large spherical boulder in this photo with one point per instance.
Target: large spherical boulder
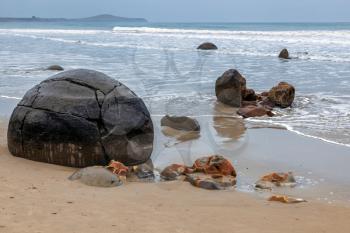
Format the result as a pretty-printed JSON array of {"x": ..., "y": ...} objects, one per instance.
[
  {"x": 282, "y": 95},
  {"x": 229, "y": 88},
  {"x": 81, "y": 118},
  {"x": 207, "y": 46}
]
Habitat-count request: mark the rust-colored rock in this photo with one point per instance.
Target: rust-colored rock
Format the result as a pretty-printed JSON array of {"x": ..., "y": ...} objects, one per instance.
[
  {"x": 282, "y": 95},
  {"x": 254, "y": 111},
  {"x": 214, "y": 165},
  {"x": 286, "y": 199},
  {"x": 276, "y": 180},
  {"x": 117, "y": 168}
]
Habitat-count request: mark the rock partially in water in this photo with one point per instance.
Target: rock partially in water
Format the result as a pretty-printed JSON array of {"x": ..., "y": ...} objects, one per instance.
[
  {"x": 282, "y": 95},
  {"x": 276, "y": 179},
  {"x": 81, "y": 118},
  {"x": 180, "y": 123},
  {"x": 207, "y": 46},
  {"x": 96, "y": 176},
  {"x": 55, "y": 68},
  {"x": 254, "y": 111},
  {"x": 249, "y": 95},
  {"x": 284, "y": 54},
  {"x": 229, "y": 88}
]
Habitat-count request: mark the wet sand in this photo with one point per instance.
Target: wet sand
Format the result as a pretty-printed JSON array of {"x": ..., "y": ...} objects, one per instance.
[{"x": 37, "y": 197}]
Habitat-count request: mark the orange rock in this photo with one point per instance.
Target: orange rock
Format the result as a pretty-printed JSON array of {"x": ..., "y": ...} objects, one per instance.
[
  {"x": 215, "y": 164},
  {"x": 117, "y": 168},
  {"x": 282, "y": 95},
  {"x": 286, "y": 199},
  {"x": 254, "y": 111}
]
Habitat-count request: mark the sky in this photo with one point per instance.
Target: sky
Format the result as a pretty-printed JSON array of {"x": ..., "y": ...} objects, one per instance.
[{"x": 186, "y": 10}]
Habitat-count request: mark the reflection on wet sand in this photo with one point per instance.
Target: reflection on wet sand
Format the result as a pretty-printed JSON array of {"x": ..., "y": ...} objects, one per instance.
[
  {"x": 178, "y": 136},
  {"x": 227, "y": 123}
]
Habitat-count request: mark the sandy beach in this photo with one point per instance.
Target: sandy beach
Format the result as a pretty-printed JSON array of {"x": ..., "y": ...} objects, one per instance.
[{"x": 37, "y": 197}]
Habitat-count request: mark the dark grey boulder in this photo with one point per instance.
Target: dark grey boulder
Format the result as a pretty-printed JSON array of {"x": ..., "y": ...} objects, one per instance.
[
  {"x": 230, "y": 87},
  {"x": 284, "y": 54},
  {"x": 81, "y": 118},
  {"x": 55, "y": 68},
  {"x": 180, "y": 123},
  {"x": 207, "y": 46}
]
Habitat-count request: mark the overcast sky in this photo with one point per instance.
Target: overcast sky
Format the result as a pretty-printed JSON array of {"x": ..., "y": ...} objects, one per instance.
[{"x": 187, "y": 10}]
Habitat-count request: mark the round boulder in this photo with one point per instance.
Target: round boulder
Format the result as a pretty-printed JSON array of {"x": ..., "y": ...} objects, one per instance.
[
  {"x": 207, "y": 46},
  {"x": 229, "y": 88},
  {"x": 81, "y": 118},
  {"x": 284, "y": 54},
  {"x": 282, "y": 95},
  {"x": 55, "y": 68}
]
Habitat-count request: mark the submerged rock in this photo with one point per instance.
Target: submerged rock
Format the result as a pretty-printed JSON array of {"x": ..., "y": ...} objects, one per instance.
[
  {"x": 180, "y": 123},
  {"x": 284, "y": 54},
  {"x": 207, "y": 46},
  {"x": 55, "y": 68},
  {"x": 229, "y": 88},
  {"x": 254, "y": 111},
  {"x": 81, "y": 118},
  {"x": 96, "y": 176},
  {"x": 282, "y": 95}
]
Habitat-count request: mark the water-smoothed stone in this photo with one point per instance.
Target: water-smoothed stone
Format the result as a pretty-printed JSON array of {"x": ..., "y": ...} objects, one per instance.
[
  {"x": 284, "y": 54},
  {"x": 55, "y": 68},
  {"x": 229, "y": 88},
  {"x": 81, "y": 118},
  {"x": 96, "y": 176},
  {"x": 282, "y": 95},
  {"x": 207, "y": 46}
]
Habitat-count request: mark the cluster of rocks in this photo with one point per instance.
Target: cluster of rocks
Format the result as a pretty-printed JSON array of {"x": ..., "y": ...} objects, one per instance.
[{"x": 231, "y": 89}]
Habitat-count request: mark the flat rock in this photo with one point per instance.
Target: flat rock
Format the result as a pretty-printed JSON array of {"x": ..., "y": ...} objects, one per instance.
[{"x": 180, "y": 123}]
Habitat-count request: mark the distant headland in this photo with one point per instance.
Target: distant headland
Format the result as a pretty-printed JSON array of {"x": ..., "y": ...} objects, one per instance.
[{"x": 97, "y": 18}]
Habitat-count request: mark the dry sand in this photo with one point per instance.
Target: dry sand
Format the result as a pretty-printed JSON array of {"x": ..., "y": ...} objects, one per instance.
[{"x": 37, "y": 197}]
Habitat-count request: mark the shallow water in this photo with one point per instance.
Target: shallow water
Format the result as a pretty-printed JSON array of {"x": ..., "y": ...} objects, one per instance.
[{"x": 160, "y": 63}]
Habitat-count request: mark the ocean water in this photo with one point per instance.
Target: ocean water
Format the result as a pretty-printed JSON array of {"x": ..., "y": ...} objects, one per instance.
[{"x": 160, "y": 63}]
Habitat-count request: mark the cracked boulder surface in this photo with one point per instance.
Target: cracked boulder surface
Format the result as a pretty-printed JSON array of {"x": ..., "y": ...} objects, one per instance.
[{"x": 81, "y": 118}]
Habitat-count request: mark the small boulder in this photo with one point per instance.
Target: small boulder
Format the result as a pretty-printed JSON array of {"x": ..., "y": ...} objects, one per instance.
[
  {"x": 55, "y": 68},
  {"x": 254, "y": 111},
  {"x": 284, "y": 54},
  {"x": 207, "y": 46},
  {"x": 96, "y": 176},
  {"x": 229, "y": 88},
  {"x": 249, "y": 95},
  {"x": 180, "y": 123},
  {"x": 282, "y": 95}
]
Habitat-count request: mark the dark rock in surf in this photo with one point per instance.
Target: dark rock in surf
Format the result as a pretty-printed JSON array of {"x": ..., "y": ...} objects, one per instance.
[
  {"x": 249, "y": 95},
  {"x": 180, "y": 123},
  {"x": 207, "y": 46},
  {"x": 81, "y": 118},
  {"x": 230, "y": 87},
  {"x": 284, "y": 54},
  {"x": 282, "y": 95},
  {"x": 55, "y": 68}
]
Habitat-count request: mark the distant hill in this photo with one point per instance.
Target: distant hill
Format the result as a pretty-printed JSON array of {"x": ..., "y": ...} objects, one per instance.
[
  {"x": 106, "y": 17},
  {"x": 97, "y": 18}
]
